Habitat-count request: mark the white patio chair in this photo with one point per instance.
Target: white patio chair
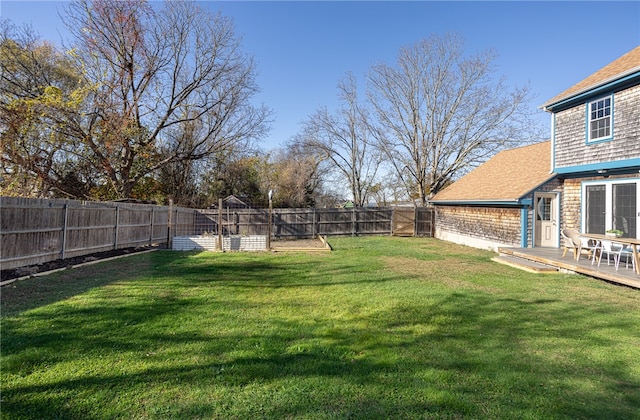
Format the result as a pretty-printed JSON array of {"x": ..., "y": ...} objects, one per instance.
[
  {"x": 611, "y": 249},
  {"x": 627, "y": 254}
]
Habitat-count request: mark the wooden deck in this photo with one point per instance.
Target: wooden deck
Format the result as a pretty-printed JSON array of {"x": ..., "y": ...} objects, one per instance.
[{"x": 552, "y": 257}]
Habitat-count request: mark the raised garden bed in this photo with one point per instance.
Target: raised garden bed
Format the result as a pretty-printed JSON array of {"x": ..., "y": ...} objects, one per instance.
[{"x": 229, "y": 243}]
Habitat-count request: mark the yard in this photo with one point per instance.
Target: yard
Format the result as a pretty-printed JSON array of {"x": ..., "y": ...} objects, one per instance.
[{"x": 381, "y": 327}]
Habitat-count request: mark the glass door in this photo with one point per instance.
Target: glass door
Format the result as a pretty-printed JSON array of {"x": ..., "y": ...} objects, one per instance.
[
  {"x": 624, "y": 208},
  {"x": 596, "y": 208},
  {"x": 611, "y": 205}
]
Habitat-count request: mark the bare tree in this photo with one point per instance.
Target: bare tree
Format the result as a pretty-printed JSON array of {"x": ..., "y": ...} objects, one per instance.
[
  {"x": 344, "y": 140},
  {"x": 295, "y": 175},
  {"x": 168, "y": 85},
  {"x": 441, "y": 113}
]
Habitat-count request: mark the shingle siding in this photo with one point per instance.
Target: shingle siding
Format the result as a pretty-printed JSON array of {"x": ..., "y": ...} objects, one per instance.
[
  {"x": 487, "y": 223},
  {"x": 571, "y": 148}
]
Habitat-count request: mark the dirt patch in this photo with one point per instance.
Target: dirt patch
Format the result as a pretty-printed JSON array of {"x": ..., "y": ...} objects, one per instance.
[
  {"x": 297, "y": 243},
  {"x": 67, "y": 262}
]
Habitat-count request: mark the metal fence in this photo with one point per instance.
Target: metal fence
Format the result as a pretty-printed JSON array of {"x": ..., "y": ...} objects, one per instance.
[{"x": 35, "y": 231}]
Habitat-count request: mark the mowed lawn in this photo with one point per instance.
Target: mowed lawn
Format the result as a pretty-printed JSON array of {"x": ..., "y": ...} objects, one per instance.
[{"x": 379, "y": 328}]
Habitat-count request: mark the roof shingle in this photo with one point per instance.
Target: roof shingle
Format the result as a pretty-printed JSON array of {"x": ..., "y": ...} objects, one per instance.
[
  {"x": 507, "y": 177},
  {"x": 627, "y": 64}
]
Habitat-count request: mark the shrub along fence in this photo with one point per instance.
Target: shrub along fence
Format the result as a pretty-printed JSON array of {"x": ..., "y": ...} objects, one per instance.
[{"x": 35, "y": 231}]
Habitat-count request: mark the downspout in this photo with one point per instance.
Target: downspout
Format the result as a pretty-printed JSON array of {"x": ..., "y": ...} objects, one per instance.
[
  {"x": 524, "y": 231},
  {"x": 524, "y": 222}
]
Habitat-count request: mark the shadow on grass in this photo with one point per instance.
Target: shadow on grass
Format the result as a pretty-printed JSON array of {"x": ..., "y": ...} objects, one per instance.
[
  {"x": 461, "y": 355},
  {"x": 40, "y": 291},
  {"x": 251, "y": 271},
  {"x": 272, "y": 271}
]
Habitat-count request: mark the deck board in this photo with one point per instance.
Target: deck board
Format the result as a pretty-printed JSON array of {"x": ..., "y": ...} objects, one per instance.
[{"x": 553, "y": 257}]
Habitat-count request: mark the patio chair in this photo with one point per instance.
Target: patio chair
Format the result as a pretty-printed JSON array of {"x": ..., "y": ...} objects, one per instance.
[
  {"x": 578, "y": 244},
  {"x": 611, "y": 249},
  {"x": 627, "y": 254},
  {"x": 568, "y": 244}
]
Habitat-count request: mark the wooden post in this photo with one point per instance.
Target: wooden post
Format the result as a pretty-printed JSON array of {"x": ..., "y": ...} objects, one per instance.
[
  {"x": 220, "y": 224},
  {"x": 354, "y": 221},
  {"x": 313, "y": 230},
  {"x": 270, "y": 221},
  {"x": 169, "y": 223},
  {"x": 64, "y": 231},
  {"x": 115, "y": 239},
  {"x": 151, "y": 218}
]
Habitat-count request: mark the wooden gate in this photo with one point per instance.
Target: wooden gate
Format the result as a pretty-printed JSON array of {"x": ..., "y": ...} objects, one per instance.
[{"x": 403, "y": 222}]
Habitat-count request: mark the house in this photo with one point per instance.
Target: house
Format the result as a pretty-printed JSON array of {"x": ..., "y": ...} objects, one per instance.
[
  {"x": 596, "y": 148},
  {"x": 587, "y": 177},
  {"x": 503, "y": 202}
]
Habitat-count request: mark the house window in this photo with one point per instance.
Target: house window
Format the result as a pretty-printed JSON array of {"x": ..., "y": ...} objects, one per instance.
[
  {"x": 600, "y": 119},
  {"x": 611, "y": 205},
  {"x": 544, "y": 208}
]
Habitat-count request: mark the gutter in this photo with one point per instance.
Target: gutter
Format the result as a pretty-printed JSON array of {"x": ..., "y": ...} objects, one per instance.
[{"x": 594, "y": 89}]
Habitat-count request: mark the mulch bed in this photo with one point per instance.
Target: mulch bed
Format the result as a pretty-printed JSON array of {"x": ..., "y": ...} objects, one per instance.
[
  {"x": 67, "y": 262},
  {"x": 70, "y": 262}
]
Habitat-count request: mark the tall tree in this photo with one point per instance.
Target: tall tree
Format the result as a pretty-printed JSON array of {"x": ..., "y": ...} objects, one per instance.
[
  {"x": 158, "y": 86},
  {"x": 441, "y": 112},
  {"x": 344, "y": 138},
  {"x": 38, "y": 92},
  {"x": 172, "y": 85}
]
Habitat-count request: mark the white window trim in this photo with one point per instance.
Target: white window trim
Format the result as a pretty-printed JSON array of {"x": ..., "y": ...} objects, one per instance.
[
  {"x": 605, "y": 138},
  {"x": 608, "y": 200}
]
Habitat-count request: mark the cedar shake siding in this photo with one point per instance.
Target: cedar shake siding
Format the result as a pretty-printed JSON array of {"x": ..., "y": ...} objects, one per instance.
[
  {"x": 570, "y": 134},
  {"x": 478, "y": 226},
  {"x": 591, "y": 171}
]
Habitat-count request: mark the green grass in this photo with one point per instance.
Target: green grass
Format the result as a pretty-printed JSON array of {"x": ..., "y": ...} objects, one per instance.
[{"x": 380, "y": 328}]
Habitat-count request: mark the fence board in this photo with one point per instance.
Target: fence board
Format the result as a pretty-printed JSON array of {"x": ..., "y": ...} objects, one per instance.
[{"x": 34, "y": 231}]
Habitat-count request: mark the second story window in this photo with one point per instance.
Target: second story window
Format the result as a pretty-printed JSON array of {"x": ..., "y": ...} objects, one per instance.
[{"x": 600, "y": 119}]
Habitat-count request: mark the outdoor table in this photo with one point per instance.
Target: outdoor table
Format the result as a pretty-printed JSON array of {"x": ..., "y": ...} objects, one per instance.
[{"x": 632, "y": 242}]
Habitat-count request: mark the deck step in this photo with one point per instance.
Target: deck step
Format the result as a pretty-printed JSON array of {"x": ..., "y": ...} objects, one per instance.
[{"x": 524, "y": 264}]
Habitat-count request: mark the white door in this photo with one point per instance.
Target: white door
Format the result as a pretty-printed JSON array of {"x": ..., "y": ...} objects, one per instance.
[{"x": 546, "y": 219}]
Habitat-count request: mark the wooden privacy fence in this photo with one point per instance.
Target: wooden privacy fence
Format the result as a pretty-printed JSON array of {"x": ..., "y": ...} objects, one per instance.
[
  {"x": 35, "y": 231},
  {"x": 308, "y": 223}
]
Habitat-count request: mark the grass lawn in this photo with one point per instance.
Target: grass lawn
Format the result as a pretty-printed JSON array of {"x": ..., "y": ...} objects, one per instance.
[{"x": 379, "y": 328}]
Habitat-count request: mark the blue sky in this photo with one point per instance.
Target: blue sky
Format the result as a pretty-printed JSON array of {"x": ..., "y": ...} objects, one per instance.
[{"x": 303, "y": 48}]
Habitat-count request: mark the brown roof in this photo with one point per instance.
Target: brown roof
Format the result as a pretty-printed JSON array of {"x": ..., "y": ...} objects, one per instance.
[
  {"x": 508, "y": 176},
  {"x": 628, "y": 63}
]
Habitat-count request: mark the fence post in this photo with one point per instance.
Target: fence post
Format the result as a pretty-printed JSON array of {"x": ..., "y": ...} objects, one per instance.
[
  {"x": 169, "y": 222},
  {"x": 313, "y": 229},
  {"x": 220, "y": 224},
  {"x": 151, "y": 226},
  {"x": 353, "y": 221},
  {"x": 115, "y": 236},
  {"x": 432, "y": 228},
  {"x": 270, "y": 218},
  {"x": 64, "y": 231},
  {"x": 194, "y": 225}
]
